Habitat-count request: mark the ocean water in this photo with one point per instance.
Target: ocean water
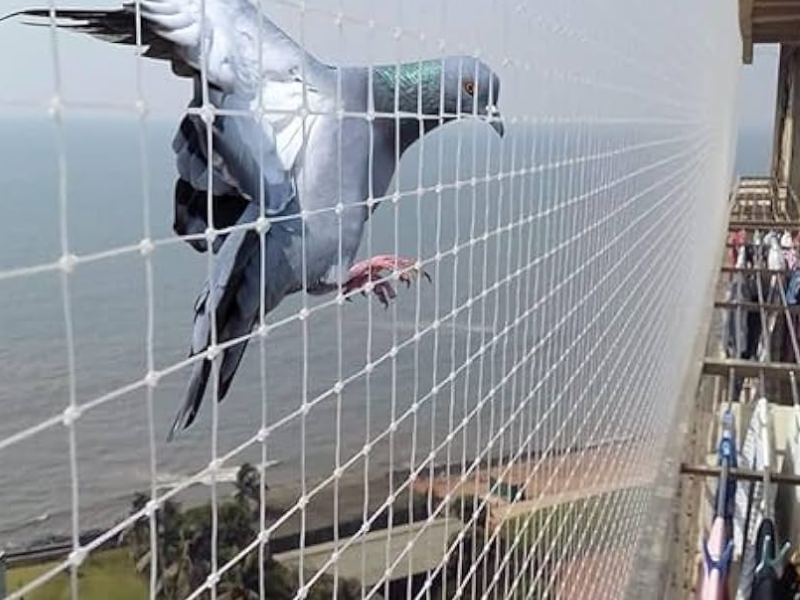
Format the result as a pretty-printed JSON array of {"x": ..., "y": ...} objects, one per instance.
[{"x": 300, "y": 361}]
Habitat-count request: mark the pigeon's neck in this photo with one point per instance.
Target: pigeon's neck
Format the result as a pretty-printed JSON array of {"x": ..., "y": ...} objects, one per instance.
[{"x": 403, "y": 93}]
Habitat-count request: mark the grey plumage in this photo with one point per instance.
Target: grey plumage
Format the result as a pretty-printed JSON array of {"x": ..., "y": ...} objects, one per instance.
[{"x": 284, "y": 163}]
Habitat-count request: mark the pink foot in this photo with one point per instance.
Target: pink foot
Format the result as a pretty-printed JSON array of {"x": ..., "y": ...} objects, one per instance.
[{"x": 375, "y": 272}]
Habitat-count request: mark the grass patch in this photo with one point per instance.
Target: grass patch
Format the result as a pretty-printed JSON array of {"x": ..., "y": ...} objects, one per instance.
[{"x": 104, "y": 575}]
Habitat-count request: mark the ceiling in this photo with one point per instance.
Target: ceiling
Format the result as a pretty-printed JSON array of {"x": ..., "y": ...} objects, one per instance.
[{"x": 768, "y": 22}]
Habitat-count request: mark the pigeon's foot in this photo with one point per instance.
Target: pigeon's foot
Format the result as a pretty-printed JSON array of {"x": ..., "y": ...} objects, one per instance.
[{"x": 374, "y": 275}]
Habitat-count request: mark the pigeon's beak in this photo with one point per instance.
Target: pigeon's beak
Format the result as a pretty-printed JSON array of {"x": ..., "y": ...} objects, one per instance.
[{"x": 494, "y": 119}]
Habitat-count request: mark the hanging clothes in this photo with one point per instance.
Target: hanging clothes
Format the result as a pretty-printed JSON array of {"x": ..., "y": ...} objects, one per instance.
[
  {"x": 758, "y": 454},
  {"x": 750, "y": 256},
  {"x": 776, "y": 322},
  {"x": 753, "y": 338},
  {"x": 792, "y": 299},
  {"x": 742, "y": 327},
  {"x": 775, "y": 259},
  {"x": 789, "y": 583},
  {"x": 753, "y": 258},
  {"x": 718, "y": 547},
  {"x": 760, "y": 244},
  {"x": 736, "y": 239},
  {"x": 789, "y": 251},
  {"x": 736, "y": 318},
  {"x": 769, "y": 564},
  {"x": 716, "y": 564},
  {"x": 793, "y": 288},
  {"x": 792, "y": 323}
]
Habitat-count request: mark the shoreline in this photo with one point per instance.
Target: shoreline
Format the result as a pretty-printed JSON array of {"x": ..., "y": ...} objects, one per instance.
[{"x": 354, "y": 499}]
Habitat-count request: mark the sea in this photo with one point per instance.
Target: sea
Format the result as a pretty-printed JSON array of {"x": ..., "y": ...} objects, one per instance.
[{"x": 98, "y": 185}]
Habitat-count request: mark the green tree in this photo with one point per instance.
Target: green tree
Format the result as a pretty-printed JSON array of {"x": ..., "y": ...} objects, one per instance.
[
  {"x": 138, "y": 534},
  {"x": 178, "y": 578},
  {"x": 170, "y": 532},
  {"x": 184, "y": 541},
  {"x": 236, "y": 528},
  {"x": 248, "y": 485}
]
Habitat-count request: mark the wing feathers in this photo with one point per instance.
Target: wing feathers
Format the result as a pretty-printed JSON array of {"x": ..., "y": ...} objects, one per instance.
[
  {"x": 175, "y": 27},
  {"x": 160, "y": 8}
]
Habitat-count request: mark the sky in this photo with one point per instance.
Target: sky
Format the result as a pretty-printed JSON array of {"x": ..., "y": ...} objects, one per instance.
[
  {"x": 100, "y": 77},
  {"x": 757, "y": 90},
  {"x": 105, "y": 74},
  {"x": 532, "y": 45}
]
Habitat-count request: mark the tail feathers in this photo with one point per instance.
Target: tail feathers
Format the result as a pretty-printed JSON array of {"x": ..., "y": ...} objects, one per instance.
[
  {"x": 198, "y": 383},
  {"x": 235, "y": 287},
  {"x": 194, "y": 397},
  {"x": 230, "y": 364}
]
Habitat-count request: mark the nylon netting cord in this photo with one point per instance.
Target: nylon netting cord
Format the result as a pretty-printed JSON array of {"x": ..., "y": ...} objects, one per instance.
[{"x": 493, "y": 434}]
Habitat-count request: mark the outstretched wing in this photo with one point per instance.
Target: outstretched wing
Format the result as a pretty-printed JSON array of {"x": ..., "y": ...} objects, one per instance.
[
  {"x": 257, "y": 67},
  {"x": 241, "y": 46},
  {"x": 252, "y": 68}
]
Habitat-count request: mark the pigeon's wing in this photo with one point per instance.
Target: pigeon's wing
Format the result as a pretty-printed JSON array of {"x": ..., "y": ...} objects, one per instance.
[
  {"x": 241, "y": 46},
  {"x": 270, "y": 95},
  {"x": 250, "y": 158},
  {"x": 117, "y": 26},
  {"x": 191, "y": 213},
  {"x": 251, "y": 65}
]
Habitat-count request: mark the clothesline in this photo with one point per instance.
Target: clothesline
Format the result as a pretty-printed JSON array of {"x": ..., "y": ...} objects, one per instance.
[
  {"x": 761, "y": 325},
  {"x": 768, "y": 569},
  {"x": 764, "y": 282}
]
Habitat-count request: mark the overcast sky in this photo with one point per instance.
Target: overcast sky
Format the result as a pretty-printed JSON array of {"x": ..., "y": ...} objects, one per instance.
[
  {"x": 98, "y": 72},
  {"x": 757, "y": 93},
  {"x": 102, "y": 74}
]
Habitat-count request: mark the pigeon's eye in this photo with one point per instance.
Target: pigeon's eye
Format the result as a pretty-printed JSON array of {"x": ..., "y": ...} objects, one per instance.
[{"x": 469, "y": 87}]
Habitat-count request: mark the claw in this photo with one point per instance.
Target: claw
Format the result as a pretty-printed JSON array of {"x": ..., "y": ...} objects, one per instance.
[{"x": 377, "y": 270}]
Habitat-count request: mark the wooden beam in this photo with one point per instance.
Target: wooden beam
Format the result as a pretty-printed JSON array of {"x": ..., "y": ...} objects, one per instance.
[
  {"x": 745, "y": 182},
  {"x": 752, "y": 306},
  {"x": 746, "y": 29},
  {"x": 754, "y": 271},
  {"x": 748, "y": 224},
  {"x": 780, "y": 147},
  {"x": 775, "y": 13},
  {"x": 741, "y": 474},
  {"x": 774, "y": 33},
  {"x": 748, "y": 368},
  {"x": 766, "y": 4},
  {"x": 768, "y": 19},
  {"x": 792, "y": 134}
]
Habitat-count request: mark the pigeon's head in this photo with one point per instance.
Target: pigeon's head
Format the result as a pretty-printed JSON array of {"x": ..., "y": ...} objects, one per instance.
[
  {"x": 439, "y": 91},
  {"x": 471, "y": 88}
]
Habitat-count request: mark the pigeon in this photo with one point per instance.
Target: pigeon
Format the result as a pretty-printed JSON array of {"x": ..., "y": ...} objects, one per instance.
[{"x": 287, "y": 215}]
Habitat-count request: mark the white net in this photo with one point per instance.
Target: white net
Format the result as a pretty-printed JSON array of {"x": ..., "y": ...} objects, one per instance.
[{"x": 494, "y": 432}]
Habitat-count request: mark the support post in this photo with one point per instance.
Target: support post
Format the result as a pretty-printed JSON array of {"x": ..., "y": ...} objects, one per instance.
[
  {"x": 785, "y": 168},
  {"x": 2, "y": 574},
  {"x": 779, "y": 169}
]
